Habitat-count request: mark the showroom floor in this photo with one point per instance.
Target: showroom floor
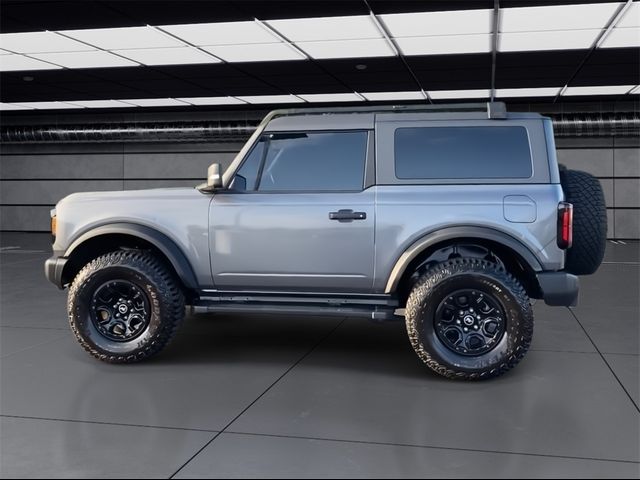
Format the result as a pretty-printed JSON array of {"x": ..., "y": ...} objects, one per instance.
[{"x": 314, "y": 397}]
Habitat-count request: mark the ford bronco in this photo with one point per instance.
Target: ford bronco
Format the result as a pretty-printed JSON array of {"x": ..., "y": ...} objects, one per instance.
[{"x": 453, "y": 216}]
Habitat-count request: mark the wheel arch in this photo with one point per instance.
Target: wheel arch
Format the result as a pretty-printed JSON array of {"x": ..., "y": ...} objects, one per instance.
[
  {"x": 106, "y": 238},
  {"x": 520, "y": 258}
]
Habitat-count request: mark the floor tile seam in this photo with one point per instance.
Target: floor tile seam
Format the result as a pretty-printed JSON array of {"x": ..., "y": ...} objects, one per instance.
[
  {"x": 62, "y": 329},
  {"x": 111, "y": 424},
  {"x": 431, "y": 447},
  {"x": 252, "y": 403},
  {"x": 57, "y": 337},
  {"x": 633, "y": 402}
]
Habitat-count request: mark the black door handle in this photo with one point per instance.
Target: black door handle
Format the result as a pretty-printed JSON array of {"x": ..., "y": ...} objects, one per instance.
[{"x": 347, "y": 215}]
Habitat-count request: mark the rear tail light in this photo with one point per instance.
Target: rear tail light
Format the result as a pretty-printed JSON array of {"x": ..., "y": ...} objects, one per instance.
[{"x": 565, "y": 225}]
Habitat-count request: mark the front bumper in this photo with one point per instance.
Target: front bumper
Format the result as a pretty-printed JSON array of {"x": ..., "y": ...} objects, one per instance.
[
  {"x": 53, "y": 268},
  {"x": 559, "y": 289}
]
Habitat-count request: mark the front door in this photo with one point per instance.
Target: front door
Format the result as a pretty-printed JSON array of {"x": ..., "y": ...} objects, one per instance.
[{"x": 297, "y": 217}]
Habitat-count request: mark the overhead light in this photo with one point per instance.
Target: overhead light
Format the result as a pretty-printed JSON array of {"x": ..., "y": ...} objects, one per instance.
[
  {"x": 527, "y": 92},
  {"x": 557, "y": 17},
  {"x": 454, "y": 22},
  {"x": 331, "y": 97},
  {"x": 451, "y": 94},
  {"x": 126, "y": 37},
  {"x": 558, "y": 40},
  {"x": 212, "y": 100},
  {"x": 444, "y": 44},
  {"x": 47, "y": 105},
  {"x": 373, "y": 47},
  {"x": 9, "y": 63},
  {"x": 326, "y": 28},
  {"x": 258, "y": 52},
  {"x": 631, "y": 17},
  {"x": 168, "y": 56},
  {"x": 381, "y": 96},
  {"x": 12, "y": 106},
  {"x": 100, "y": 103},
  {"x": 622, "y": 38},
  {"x": 635, "y": 91},
  {"x": 93, "y": 59},
  {"x": 40, "y": 42},
  {"x": 223, "y": 33},
  {"x": 598, "y": 90},
  {"x": 275, "y": 99},
  {"x": 155, "y": 102}
]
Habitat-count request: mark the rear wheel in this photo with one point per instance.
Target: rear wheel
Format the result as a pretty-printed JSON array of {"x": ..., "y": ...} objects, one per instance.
[
  {"x": 125, "y": 306},
  {"x": 469, "y": 319}
]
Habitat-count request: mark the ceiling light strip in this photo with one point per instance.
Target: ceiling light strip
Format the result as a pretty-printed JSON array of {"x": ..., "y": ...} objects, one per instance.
[
  {"x": 282, "y": 38},
  {"x": 383, "y": 31},
  {"x": 440, "y": 95},
  {"x": 614, "y": 21},
  {"x": 26, "y": 55},
  {"x": 382, "y": 28},
  {"x": 185, "y": 42},
  {"x": 96, "y": 47}
]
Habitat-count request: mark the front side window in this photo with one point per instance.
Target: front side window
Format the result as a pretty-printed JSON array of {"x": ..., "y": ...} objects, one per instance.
[
  {"x": 462, "y": 152},
  {"x": 320, "y": 161}
]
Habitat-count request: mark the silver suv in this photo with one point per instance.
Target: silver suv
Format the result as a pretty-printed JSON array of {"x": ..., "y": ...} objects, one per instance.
[{"x": 452, "y": 216}]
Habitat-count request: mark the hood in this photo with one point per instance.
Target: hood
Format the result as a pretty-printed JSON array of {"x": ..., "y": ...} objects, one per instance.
[{"x": 154, "y": 194}]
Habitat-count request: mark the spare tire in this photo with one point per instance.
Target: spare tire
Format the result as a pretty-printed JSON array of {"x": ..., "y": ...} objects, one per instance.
[{"x": 589, "y": 221}]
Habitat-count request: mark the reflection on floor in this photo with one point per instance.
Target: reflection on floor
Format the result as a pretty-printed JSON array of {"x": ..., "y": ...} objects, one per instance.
[{"x": 310, "y": 397}]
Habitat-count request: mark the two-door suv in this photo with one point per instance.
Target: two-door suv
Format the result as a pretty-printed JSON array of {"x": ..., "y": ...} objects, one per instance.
[{"x": 458, "y": 214}]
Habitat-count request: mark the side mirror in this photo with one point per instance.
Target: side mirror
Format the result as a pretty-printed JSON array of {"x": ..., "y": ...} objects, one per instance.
[{"x": 214, "y": 179}]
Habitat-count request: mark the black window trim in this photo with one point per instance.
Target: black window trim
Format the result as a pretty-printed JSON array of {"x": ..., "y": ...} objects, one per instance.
[{"x": 368, "y": 176}]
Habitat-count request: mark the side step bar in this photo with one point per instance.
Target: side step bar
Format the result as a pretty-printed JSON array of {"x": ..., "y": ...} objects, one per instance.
[{"x": 379, "y": 308}]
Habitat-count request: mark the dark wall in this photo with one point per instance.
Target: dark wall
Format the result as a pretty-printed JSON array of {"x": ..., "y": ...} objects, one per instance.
[{"x": 34, "y": 177}]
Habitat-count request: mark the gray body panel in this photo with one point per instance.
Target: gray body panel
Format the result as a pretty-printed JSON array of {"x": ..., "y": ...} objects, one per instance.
[
  {"x": 180, "y": 214},
  {"x": 285, "y": 241}
]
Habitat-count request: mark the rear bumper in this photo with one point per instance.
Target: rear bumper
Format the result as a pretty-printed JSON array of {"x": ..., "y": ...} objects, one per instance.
[
  {"x": 53, "y": 268},
  {"x": 559, "y": 288}
]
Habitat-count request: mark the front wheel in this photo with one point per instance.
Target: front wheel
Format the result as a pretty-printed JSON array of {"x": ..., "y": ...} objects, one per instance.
[
  {"x": 125, "y": 306},
  {"x": 469, "y": 319}
]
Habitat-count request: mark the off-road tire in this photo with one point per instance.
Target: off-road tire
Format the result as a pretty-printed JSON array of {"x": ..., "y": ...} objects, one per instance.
[
  {"x": 440, "y": 281},
  {"x": 589, "y": 221},
  {"x": 153, "y": 278}
]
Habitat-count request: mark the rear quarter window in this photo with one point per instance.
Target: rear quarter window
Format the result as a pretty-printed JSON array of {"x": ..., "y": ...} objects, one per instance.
[{"x": 462, "y": 152}]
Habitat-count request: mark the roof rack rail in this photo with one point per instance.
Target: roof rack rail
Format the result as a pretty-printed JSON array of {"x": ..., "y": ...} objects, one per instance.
[{"x": 495, "y": 110}]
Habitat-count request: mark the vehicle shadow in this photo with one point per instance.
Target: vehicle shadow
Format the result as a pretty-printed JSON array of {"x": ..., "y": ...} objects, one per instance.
[{"x": 337, "y": 343}]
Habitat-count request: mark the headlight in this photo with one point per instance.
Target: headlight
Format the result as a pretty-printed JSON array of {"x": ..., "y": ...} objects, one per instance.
[{"x": 54, "y": 225}]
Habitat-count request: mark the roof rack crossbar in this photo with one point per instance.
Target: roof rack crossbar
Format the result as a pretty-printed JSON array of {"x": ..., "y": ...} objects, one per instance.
[{"x": 495, "y": 110}]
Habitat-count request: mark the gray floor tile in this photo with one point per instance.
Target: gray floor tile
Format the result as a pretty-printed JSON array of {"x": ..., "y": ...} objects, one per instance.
[
  {"x": 249, "y": 456},
  {"x": 614, "y": 285},
  {"x": 627, "y": 369},
  {"x": 202, "y": 381},
  {"x": 612, "y": 329},
  {"x": 556, "y": 329},
  {"x": 14, "y": 340},
  {"x": 27, "y": 298},
  {"x": 609, "y": 308},
  {"x": 52, "y": 449},
  {"x": 361, "y": 386}
]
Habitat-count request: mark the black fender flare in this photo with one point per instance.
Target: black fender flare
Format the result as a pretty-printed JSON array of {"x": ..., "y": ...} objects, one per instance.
[
  {"x": 159, "y": 240},
  {"x": 451, "y": 233}
]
